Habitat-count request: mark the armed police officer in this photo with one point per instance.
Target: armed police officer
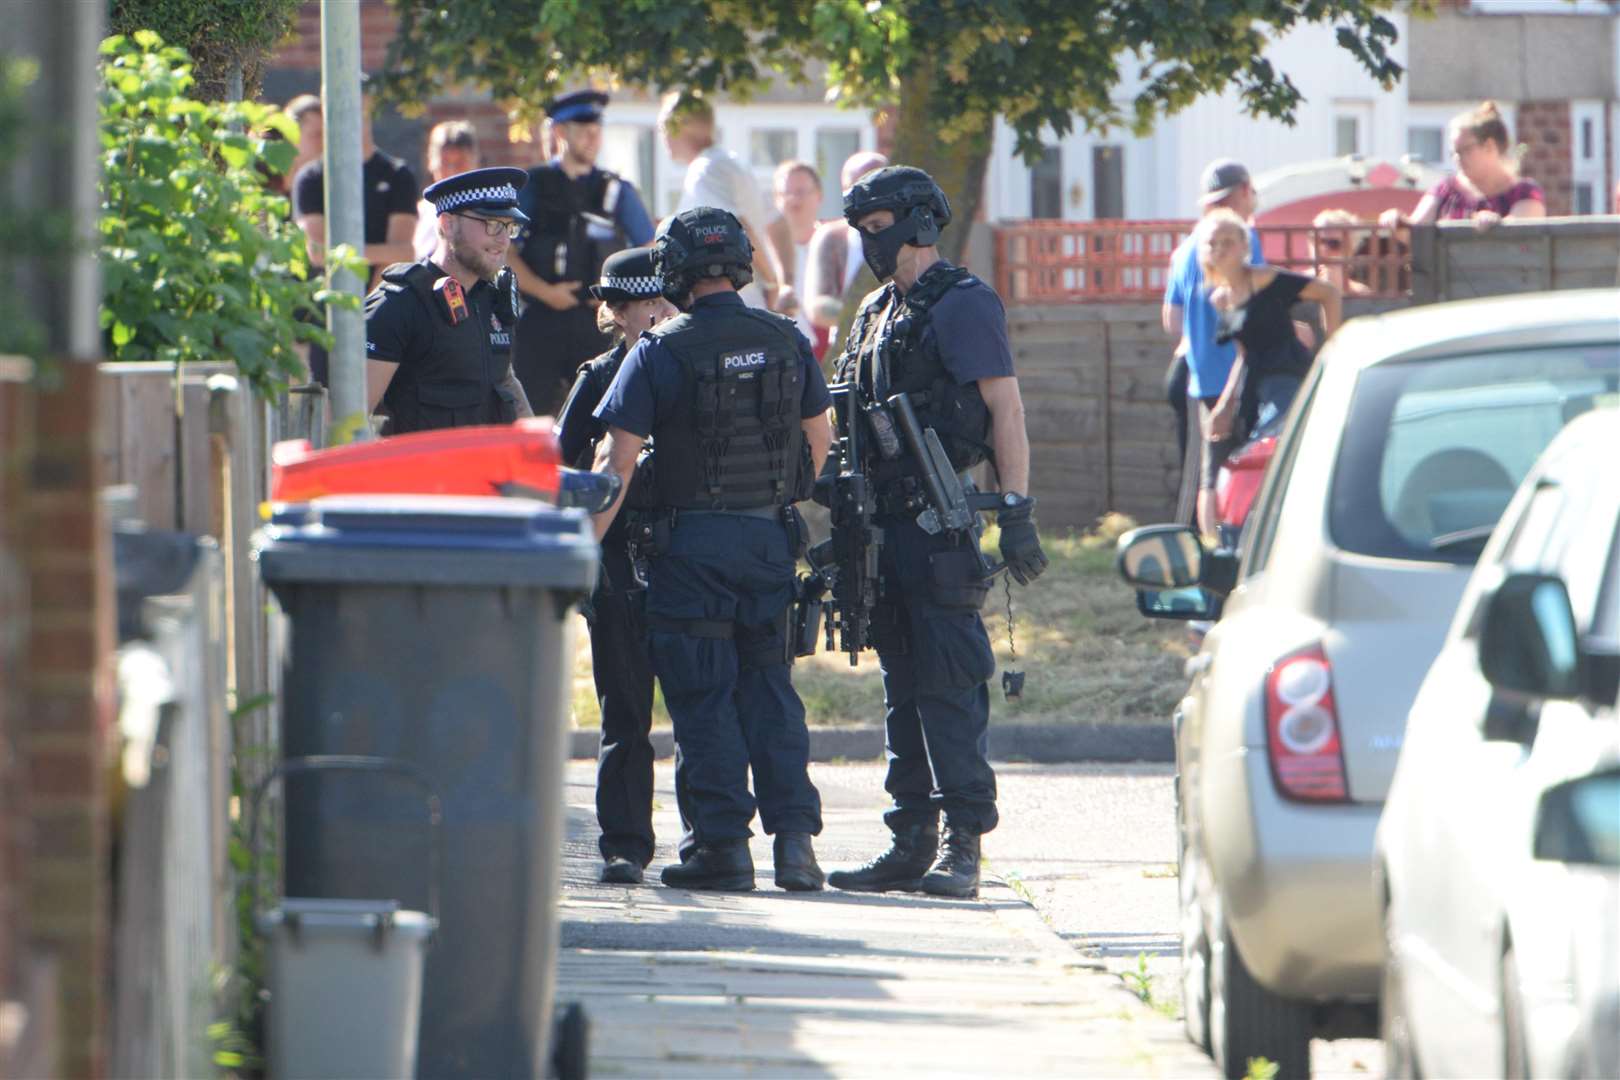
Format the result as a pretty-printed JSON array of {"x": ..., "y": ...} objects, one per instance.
[
  {"x": 632, "y": 299},
  {"x": 736, "y": 406},
  {"x": 438, "y": 331},
  {"x": 581, "y": 215},
  {"x": 927, "y": 357}
]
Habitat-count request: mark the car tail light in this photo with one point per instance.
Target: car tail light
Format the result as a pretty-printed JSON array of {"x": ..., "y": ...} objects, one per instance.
[
  {"x": 1302, "y": 729},
  {"x": 1239, "y": 480}
]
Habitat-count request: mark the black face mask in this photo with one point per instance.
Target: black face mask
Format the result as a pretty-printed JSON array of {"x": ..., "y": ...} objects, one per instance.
[{"x": 881, "y": 249}]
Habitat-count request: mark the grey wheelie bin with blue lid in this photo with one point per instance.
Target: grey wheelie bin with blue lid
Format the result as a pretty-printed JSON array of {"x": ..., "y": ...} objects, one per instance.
[{"x": 435, "y": 631}]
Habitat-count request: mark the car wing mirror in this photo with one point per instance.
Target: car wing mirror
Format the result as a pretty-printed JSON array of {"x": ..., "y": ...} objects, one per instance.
[
  {"x": 1192, "y": 602},
  {"x": 1160, "y": 557},
  {"x": 1578, "y": 821},
  {"x": 1528, "y": 643}
]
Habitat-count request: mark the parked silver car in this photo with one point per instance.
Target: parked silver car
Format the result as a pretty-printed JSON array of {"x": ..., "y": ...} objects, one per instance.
[
  {"x": 1403, "y": 448},
  {"x": 1499, "y": 849}
]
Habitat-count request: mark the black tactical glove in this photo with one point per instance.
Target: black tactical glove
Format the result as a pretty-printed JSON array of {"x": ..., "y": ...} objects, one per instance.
[{"x": 1020, "y": 544}]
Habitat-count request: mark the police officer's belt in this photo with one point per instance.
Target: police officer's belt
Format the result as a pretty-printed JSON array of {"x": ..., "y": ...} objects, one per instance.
[
  {"x": 702, "y": 628},
  {"x": 769, "y": 513}
]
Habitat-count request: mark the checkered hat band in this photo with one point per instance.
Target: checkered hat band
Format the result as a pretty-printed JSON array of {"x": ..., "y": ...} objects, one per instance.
[
  {"x": 640, "y": 286},
  {"x": 499, "y": 193}
]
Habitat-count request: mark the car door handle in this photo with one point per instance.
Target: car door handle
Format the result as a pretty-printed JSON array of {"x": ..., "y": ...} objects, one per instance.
[{"x": 1199, "y": 664}]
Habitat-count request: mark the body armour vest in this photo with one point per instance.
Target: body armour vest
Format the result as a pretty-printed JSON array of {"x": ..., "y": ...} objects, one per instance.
[
  {"x": 734, "y": 441},
  {"x": 887, "y": 344},
  {"x": 454, "y": 382},
  {"x": 560, "y": 245}
]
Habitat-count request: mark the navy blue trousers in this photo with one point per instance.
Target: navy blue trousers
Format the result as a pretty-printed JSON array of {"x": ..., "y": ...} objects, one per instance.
[
  {"x": 936, "y": 660},
  {"x": 622, "y": 671},
  {"x": 731, "y": 698}
]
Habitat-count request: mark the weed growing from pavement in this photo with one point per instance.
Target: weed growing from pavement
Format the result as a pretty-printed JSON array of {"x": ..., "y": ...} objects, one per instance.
[
  {"x": 1261, "y": 1069},
  {"x": 1140, "y": 981},
  {"x": 1089, "y": 655}
]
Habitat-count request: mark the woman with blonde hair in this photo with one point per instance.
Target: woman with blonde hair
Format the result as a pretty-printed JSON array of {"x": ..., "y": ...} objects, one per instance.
[
  {"x": 1253, "y": 305},
  {"x": 1339, "y": 235},
  {"x": 632, "y": 301},
  {"x": 1486, "y": 187}
]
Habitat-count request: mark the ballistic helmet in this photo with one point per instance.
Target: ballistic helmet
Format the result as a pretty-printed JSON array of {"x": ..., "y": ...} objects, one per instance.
[
  {"x": 899, "y": 188},
  {"x": 703, "y": 242}
]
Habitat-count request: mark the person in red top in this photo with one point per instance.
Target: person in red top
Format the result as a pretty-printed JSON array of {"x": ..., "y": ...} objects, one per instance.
[{"x": 1486, "y": 187}]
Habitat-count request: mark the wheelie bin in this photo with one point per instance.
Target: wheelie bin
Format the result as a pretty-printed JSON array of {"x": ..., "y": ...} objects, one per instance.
[{"x": 434, "y": 630}]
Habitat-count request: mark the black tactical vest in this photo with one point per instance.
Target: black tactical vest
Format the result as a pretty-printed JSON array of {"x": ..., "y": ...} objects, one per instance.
[
  {"x": 734, "y": 441},
  {"x": 892, "y": 324},
  {"x": 558, "y": 245},
  {"x": 453, "y": 384}
]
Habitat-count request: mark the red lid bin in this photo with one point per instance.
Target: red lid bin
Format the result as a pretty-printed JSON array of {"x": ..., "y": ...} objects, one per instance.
[{"x": 518, "y": 459}]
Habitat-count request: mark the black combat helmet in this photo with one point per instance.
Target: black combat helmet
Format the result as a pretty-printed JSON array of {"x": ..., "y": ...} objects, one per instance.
[
  {"x": 703, "y": 242},
  {"x": 920, "y": 212}
]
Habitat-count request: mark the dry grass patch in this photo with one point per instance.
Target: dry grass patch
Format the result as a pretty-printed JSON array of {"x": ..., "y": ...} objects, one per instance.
[{"x": 1088, "y": 656}]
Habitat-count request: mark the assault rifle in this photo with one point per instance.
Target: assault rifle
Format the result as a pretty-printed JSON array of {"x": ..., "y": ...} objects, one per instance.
[{"x": 848, "y": 563}]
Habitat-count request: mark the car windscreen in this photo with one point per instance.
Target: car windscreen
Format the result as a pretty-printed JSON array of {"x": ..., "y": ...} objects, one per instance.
[{"x": 1434, "y": 448}]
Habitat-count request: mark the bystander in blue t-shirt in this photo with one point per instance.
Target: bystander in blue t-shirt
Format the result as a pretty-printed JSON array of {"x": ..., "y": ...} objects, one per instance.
[
  {"x": 649, "y": 382},
  {"x": 1208, "y": 364}
]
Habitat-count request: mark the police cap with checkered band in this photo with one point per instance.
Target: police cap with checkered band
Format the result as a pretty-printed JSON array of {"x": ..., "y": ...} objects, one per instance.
[
  {"x": 628, "y": 275},
  {"x": 489, "y": 192}
]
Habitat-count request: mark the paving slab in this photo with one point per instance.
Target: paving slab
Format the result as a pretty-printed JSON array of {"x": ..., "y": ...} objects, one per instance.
[{"x": 775, "y": 984}]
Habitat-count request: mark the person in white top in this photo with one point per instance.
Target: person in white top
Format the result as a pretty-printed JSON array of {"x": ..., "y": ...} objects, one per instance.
[
  {"x": 797, "y": 188},
  {"x": 717, "y": 177},
  {"x": 452, "y": 149},
  {"x": 830, "y": 268}
]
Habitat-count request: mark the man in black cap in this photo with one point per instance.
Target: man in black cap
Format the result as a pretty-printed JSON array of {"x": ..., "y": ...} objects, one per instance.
[
  {"x": 580, "y": 215},
  {"x": 438, "y": 331},
  {"x": 632, "y": 300},
  {"x": 737, "y": 405}
]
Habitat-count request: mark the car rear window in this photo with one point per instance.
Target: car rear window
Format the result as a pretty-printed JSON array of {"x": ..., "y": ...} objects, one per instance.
[{"x": 1434, "y": 448}]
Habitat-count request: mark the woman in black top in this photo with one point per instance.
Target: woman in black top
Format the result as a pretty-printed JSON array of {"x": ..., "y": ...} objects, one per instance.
[
  {"x": 620, "y": 665},
  {"x": 1253, "y": 304}
]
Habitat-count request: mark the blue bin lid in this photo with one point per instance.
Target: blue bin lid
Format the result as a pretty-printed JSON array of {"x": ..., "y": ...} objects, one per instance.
[{"x": 428, "y": 540}]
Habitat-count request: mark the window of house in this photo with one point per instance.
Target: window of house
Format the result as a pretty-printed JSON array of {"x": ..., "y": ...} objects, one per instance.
[
  {"x": 1585, "y": 199},
  {"x": 769, "y": 147},
  {"x": 1107, "y": 182},
  {"x": 1586, "y": 138},
  {"x": 834, "y": 146},
  {"x": 1427, "y": 144},
  {"x": 1046, "y": 184},
  {"x": 1346, "y": 135}
]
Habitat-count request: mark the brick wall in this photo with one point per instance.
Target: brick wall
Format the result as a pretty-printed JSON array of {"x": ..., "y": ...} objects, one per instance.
[
  {"x": 54, "y": 886},
  {"x": 1545, "y": 129}
]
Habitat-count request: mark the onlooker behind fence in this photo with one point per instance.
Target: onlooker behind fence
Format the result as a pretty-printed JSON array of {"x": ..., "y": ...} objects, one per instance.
[
  {"x": 829, "y": 268},
  {"x": 1188, "y": 315},
  {"x": 452, "y": 149},
  {"x": 797, "y": 189},
  {"x": 1486, "y": 187},
  {"x": 1254, "y": 304},
  {"x": 716, "y": 177},
  {"x": 1339, "y": 237},
  {"x": 389, "y": 192}
]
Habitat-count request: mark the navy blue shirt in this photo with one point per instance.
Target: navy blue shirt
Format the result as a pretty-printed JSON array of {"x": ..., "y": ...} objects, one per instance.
[
  {"x": 649, "y": 382},
  {"x": 970, "y": 325}
]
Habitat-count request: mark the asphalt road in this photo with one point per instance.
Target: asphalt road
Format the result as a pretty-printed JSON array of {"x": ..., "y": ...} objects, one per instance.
[{"x": 1093, "y": 847}]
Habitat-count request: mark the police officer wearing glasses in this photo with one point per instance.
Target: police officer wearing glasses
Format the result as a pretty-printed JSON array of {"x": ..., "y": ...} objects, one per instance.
[
  {"x": 439, "y": 331},
  {"x": 733, "y": 399},
  {"x": 938, "y": 334}
]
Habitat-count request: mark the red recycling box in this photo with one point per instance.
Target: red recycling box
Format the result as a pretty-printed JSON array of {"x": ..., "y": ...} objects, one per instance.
[{"x": 519, "y": 459}]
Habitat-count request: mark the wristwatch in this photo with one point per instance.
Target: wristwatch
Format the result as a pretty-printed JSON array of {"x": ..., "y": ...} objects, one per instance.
[{"x": 1010, "y": 499}]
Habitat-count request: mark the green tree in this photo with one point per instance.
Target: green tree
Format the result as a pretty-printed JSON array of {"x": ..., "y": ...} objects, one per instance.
[
  {"x": 219, "y": 35},
  {"x": 198, "y": 259},
  {"x": 951, "y": 66}
]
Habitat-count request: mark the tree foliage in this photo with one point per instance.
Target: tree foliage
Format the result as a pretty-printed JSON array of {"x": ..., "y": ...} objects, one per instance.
[
  {"x": 198, "y": 258},
  {"x": 26, "y": 236},
  {"x": 218, "y": 35}
]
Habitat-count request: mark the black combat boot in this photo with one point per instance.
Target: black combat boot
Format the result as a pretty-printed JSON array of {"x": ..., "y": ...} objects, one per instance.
[
  {"x": 796, "y": 869},
  {"x": 909, "y": 855},
  {"x": 956, "y": 871},
  {"x": 621, "y": 870},
  {"x": 725, "y": 867}
]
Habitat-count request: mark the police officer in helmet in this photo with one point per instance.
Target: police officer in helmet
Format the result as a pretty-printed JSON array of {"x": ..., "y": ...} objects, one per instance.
[
  {"x": 736, "y": 405},
  {"x": 439, "y": 331},
  {"x": 632, "y": 299},
  {"x": 939, "y": 334}
]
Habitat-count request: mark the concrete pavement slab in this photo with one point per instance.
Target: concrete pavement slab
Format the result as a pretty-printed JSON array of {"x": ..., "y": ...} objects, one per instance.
[{"x": 836, "y": 984}]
